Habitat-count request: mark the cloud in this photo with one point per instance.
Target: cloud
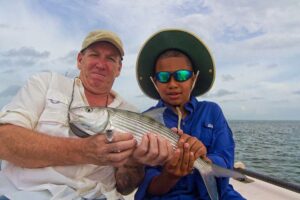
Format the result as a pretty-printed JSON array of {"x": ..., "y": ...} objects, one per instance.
[
  {"x": 22, "y": 57},
  {"x": 297, "y": 92},
  {"x": 140, "y": 96},
  {"x": 10, "y": 90},
  {"x": 28, "y": 52},
  {"x": 4, "y": 26},
  {"x": 227, "y": 77},
  {"x": 222, "y": 93},
  {"x": 257, "y": 98},
  {"x": 255, "y": 44},
  {"x": 69, "y": 58}
]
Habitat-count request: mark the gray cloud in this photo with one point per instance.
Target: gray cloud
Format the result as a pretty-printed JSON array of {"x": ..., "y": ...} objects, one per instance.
[
  {"x": 227, "y": 77},
  {"x": 17, "y": 62},
  {"x": 234, "y": 100},
  {"x": 10, "y": 90},
  {"x": 221, "y": 93},
  {"x": 7, "y": 71},
  {"x": 4, "y": 26},
  {"x": 257, "y": 98},
  {"x": 9, "y": 27},
  {"x": 22, "y": 57},
  {"x": 70, "y": 58},
  {"x": 272, "y": 66},
  {"x": 252, "y": 64},
  {"x": 240, "y": 33},
  {"x": 297, "y": 92},
  {"x": 5, "y": 62},
  {"x": 140, "y": 96},
  {"x": 26, "y": 52}
]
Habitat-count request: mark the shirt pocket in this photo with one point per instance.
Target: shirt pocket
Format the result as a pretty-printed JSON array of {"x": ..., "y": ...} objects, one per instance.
[
  {"x": 56, "y": 109},
  {"x": 206, "y": 135}
]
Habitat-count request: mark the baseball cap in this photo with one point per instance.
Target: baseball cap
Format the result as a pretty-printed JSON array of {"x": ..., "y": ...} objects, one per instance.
[{"x": 103, "y": 36}]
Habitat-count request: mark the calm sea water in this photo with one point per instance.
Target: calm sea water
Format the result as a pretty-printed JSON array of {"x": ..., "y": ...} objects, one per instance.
[{"x": 269, "y": 147}]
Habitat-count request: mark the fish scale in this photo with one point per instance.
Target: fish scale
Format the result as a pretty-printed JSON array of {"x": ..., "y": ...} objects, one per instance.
[
  {"x": 152, "y": 125},
  {"x": 119, "y": 122}
]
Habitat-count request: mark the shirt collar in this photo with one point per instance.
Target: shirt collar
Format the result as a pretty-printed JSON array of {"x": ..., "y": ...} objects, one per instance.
[
  {"x": 189, "y": 106},
  {"x": 117, "y": 100}
]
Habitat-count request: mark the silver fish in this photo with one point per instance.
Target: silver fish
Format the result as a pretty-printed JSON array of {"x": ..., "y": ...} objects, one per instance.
[{"x": 87, "y": 121}]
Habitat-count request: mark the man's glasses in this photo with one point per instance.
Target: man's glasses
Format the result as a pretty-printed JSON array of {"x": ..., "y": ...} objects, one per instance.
[{"x": 179, "y": 75}]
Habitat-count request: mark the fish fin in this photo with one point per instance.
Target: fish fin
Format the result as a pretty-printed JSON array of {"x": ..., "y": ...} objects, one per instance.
[
  {"x": 209, "y": 180},
  {"x": 224, "y": 172},
  {"x": 211, "y": 186},
  {"x": 156, "y": 114},
  {"x": 210, "y": 171}
]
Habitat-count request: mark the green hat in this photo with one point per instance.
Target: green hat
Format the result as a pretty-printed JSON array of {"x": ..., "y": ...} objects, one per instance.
[
  {"x": 103, "y": 36},
  {"x": 180, "y": 40}
]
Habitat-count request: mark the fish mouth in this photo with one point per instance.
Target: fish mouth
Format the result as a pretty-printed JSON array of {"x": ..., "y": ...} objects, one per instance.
[{"x": 77, "y": 131}]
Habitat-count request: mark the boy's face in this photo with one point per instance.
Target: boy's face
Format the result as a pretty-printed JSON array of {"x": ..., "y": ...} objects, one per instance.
[{"x": 173, "y": 92}]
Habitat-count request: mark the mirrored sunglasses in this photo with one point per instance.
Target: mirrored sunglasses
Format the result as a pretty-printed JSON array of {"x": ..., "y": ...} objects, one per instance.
[{"x": 179, "y": 75}]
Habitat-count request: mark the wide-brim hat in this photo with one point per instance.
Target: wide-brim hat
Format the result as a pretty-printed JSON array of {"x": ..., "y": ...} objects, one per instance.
[{"x": 183, "y": 41}]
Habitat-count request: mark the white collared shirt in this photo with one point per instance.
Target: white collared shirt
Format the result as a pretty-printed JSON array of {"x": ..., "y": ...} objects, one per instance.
[{"x": 42, "y": 105}]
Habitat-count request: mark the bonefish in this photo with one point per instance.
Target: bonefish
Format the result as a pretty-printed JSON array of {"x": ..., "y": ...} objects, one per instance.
[{"x": 87, "y": 121}]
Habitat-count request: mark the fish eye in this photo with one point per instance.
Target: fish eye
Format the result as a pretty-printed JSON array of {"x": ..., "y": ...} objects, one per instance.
[{"x": 89, "y": 109}]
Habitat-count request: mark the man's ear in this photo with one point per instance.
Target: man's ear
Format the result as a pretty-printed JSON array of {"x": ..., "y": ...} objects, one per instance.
[
  {"x": 79, "y": 60},
  {"x": 119, "y": 70}
]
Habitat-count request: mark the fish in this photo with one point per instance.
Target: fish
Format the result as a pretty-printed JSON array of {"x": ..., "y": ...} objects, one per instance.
[{"x": 86, "y": 121}]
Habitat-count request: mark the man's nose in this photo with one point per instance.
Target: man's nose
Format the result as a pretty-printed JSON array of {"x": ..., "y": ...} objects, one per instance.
[{"x": 101, "y": 63}]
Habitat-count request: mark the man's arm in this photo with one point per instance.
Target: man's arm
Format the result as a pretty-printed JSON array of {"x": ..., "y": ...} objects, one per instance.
[
  {"x": 128, "y": 177},
  {"x": 27, "y": 148},
  {"x": 30, "y": 149}
]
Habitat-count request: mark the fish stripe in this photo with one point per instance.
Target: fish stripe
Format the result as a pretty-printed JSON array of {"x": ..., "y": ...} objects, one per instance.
[{"x": 153, "y": 125}]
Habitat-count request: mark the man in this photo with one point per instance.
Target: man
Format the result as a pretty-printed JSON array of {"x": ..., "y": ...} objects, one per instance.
[
  {"x": 43, "y": 159},
  {"x": 173, "y": 67}
]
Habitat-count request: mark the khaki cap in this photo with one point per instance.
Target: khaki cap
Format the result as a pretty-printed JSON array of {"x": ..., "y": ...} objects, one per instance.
[{"x": 103, "y": 36}]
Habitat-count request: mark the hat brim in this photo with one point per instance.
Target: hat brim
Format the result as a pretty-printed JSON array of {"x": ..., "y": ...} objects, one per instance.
[{"x": 183, "y": 41}]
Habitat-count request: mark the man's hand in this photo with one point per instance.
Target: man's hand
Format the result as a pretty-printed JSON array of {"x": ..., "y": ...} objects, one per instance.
[
  {"x": 100, "y": 151},
  {"x": 153, "y": 150}
]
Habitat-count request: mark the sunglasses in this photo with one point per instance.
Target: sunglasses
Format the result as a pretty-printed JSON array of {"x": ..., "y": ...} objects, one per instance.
[{"x": 179, "y": 75}]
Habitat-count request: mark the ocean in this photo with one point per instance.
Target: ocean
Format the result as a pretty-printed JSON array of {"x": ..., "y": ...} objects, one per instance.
[{"x": 271, "y": 148}]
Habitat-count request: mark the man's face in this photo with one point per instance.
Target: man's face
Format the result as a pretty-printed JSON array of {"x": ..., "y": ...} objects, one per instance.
[
  {"x": 99, "y": 65},
  {"x": 173, "y": 92}
]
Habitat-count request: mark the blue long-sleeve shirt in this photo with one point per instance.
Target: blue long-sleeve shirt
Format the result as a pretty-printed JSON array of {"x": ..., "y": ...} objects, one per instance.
[{"x": 205, "y": 121}]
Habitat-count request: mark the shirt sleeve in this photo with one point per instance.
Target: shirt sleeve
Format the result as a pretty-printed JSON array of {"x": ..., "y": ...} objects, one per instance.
[
  {"x": 26, "y": 107},
  {"x": 222, "y": 148},
  {"x": 221, "y": 152}
]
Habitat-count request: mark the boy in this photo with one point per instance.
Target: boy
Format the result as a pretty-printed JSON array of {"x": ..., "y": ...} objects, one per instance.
[{"x": 174, "y": 67}]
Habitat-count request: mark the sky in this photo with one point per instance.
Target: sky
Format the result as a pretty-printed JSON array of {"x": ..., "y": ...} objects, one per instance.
[{"x": 255, "y": 45}]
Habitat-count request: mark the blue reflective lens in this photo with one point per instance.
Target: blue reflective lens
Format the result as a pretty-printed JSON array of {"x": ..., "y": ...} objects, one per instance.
[{"x": 179, "y": 75}]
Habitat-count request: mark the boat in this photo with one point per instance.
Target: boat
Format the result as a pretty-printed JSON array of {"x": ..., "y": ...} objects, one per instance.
[
  {"x": 261, "y": 187},
  {"x": 257, "y": 186}
]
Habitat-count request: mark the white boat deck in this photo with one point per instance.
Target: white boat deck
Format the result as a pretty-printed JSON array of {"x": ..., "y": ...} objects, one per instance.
[
  {"x": 260, "y": 190},
  {"x": 257, "y": 190}
]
